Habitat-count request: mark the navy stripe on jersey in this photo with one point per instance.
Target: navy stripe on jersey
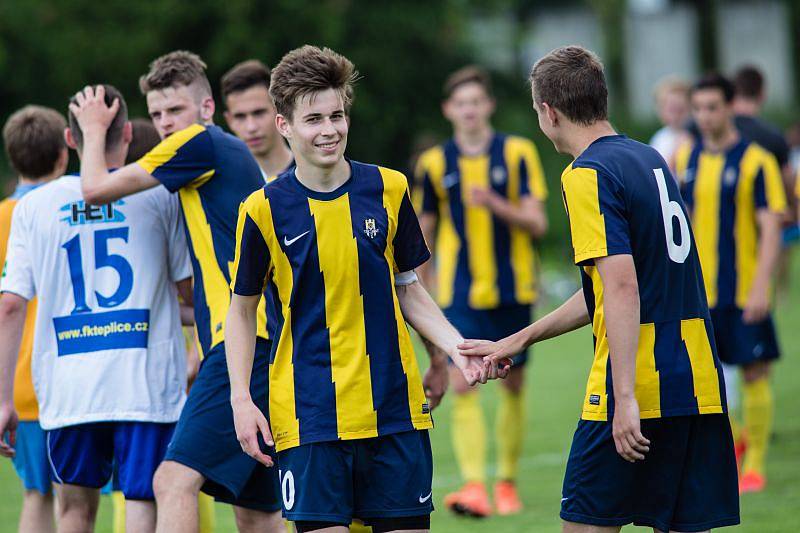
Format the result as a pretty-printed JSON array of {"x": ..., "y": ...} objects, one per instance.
[
  {"x": 501, "y": 233},
  {"x": 463, "y": 280}
]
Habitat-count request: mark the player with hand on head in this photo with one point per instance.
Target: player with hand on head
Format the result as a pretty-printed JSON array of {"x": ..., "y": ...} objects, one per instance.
[
  {"x": 250, "y": 115},
  {"x": 211, "y": 172},
  {"x": 733, "y": 188},
  {"x": 654, "y": 407},
  {"x": 108, "y": 358},
  {"x": 34, "y": 143},
  {"x": 336, "y": 242},
  {"x": 481, "y": 198}
]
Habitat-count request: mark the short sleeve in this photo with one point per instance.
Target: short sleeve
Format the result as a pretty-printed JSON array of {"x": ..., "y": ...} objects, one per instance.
[
  {"x": 17, "y": 274},
  {"x": 184, "y": 159},
  {"x": 768, "y": 190},
  {"x": 597, "y": 214},
  {"x": 425, "y": 200},
  {"x": 252, "y": 258},
  {"x": 410, "y": 250},
  {"x": 180, "y": 265},
  {"x": 531, "y": 173}
]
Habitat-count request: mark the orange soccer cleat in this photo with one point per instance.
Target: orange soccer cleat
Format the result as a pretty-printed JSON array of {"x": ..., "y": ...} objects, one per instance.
[
  {"x": 506, "y": 499},
  {"x": 752, "y": 482},
  {"x": 471, "y": 500}
]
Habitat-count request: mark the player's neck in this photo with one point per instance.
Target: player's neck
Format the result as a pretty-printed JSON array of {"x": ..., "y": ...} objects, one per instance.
[
  {"x": 747, "y": 107},
  {"x": 23, "y": 181},
  {"x": 322, "y": 179},
  {"x": 581, "y": 137},
  {"x": 275, "y": 160},
  {"x": 722, "y": 141},
  {"x": 474, "y": 142}
]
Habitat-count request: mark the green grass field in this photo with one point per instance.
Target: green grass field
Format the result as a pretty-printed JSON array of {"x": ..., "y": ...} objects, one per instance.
[{"x": 556, "y": 380}]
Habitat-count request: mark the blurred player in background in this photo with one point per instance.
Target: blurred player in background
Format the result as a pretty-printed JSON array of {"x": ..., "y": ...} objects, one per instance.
[
  {"x": 336, "y": 242},
  {"x": 212, "y": 172},
  {"x": 108, "y": 360},
  {"x": 250, "y": 115},
  {"x": 654, "y": 407},
  {"x": 733, "y": 188},
  {"x": 481, "y": 202},
  {"x": 34, "y": 143},
  {"x": 672, "y": 106}
]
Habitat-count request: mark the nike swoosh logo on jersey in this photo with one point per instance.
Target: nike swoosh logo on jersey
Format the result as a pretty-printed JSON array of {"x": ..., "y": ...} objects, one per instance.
[
  {"x": 425, "y": 498},
  {"x": 289, "y": 242}
]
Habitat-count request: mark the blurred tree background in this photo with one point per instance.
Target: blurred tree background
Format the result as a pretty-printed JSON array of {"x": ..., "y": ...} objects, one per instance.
[{"x": 404, "y": 49}]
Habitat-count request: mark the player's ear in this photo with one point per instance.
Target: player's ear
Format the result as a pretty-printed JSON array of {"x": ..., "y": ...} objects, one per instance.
[
  {"x": 207, "y": 109},
  {"x": 127, "y": 133},
  {"x": 62, "y": 162},
  {"x": 282, "y": 125},
  {"x": 69, "y": 139},
  {"x": 552, "y": 115}
]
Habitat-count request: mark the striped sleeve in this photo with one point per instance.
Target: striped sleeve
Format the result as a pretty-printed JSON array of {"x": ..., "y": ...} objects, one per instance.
[
  {"x": 252, "y": 258},
  {"x": 769, "y": 190},
  {"x": 184, "y": 159}
]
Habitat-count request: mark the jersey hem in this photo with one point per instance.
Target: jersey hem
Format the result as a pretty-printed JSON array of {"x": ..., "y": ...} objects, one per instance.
[
  {"x": 110, "y": 417},
  {"x": 412, "y": 425},
  {"x": 655, "y": 413}
]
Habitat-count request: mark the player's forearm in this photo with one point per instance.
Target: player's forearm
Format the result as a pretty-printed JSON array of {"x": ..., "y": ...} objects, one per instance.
[
  {"x": 424, "y": 315},
  {"x": 240, "y": 345},
  {"x": 529, "y": 216},
  {"x": 621, "y": 309},
  {"x": 769, "y": 249},
  {"x": 12, "y": 322},
  {"x": 569, "y": 316}
]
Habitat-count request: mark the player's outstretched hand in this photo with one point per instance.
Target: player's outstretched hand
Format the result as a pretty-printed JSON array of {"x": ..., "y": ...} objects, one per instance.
[
  {"x": 249, "y": 421},
  {"x": 8, "y": 430},
  {"x": 757, "y": 307},
  {"x": 626, "y": 428},
  {"x": 91, "y": 111},
  {"x": 498, "y": 352},
  {"x": 480, "y": 370}
]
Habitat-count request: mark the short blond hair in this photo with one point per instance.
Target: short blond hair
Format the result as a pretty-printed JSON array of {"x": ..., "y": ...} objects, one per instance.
[
  {"x": 671, "y": 85},
  {"x": 175, "y": 69}
]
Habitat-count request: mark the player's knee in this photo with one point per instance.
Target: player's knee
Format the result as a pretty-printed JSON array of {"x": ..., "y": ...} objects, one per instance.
[
  {"x": 77, "y": 511},
  {"x": 250, "y": 520},
  {"x": 174, "y": 479},
  {"x": 755, "y": 371},
  {"x": 35, "y": 500}
]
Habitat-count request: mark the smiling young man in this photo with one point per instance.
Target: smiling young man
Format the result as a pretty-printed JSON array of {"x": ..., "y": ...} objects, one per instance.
[
  {"x": 250, "y": 115},
  {"x": 481, "y": 202},
  {"x": 734, "y": 191},
  {"x": 212, "y": 172},
  {"x": 653, "y": 446},
  {"x": 336, "y": 242}
]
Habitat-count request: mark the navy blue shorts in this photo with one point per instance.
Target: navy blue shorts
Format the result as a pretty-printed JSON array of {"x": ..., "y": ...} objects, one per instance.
[
  {"x": 741, "y": 344},
  {"x": 687, "y": 481},
  {"x": 31, "y": 461},
  {"x": 381, "y": 477},
  {"x": 492, "y": 324},
  {"x": 205, "y": 439},
  {"x": 85, "y": 455}
]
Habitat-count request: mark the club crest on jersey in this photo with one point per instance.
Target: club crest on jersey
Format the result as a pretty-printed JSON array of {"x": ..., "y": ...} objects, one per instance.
[
  {"x": 80, "y": 213},
  {"x": 370, "y": 229},
  {"x": 499, "y": 175}
]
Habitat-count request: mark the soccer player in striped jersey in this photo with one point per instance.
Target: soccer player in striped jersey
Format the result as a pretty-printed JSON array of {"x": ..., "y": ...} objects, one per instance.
[
  {"x": 481, "y": 198},
  {"x": 734, "y": 190},
  {"x": 654, "y": 407},
  {"x": 34, "y": 143},
  {"x": 336, "y": 242},
  {"x": 211, "y": 172},
  {"x": 250, "y": 115}
]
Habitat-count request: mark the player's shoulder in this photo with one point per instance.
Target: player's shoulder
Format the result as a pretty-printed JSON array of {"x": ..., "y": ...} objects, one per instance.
[
  {"x": 390, "y": 180},
  {"x": 432, "y": 157},
  {"x": 517, "y": 144},
  {"x": 754, "y": 150}
]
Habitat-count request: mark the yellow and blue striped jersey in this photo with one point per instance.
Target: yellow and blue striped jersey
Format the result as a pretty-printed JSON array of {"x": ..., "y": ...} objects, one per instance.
[
  {"x": 481, "y": 262},
  {"x": 212, "y": 172},
  {"x": 342, "y": 365},
  {"x": 621, "y": 199},
  {"x": 724, "y": 191}
]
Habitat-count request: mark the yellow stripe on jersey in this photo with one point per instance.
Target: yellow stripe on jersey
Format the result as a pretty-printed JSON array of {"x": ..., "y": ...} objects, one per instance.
[
  {"x": 595, "y": 403},
  {"x": 523, "y": 256},
  {"x": 705, "y": 219},
  {"x": 587, "y": 224},
  {"x": 215, "y": 286},
  {"x": 344, "y": 312},
  {"x": 167, "y": 148},
  {"x": 704, "y": 373},
  {"x": 483, "y": 293},
  {"x": 416, "y": 394}
]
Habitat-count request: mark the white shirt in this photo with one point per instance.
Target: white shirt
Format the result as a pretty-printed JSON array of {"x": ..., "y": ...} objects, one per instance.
[
  {"x": 108, "y": 344},
  {"x": 666, "y": 142}
]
